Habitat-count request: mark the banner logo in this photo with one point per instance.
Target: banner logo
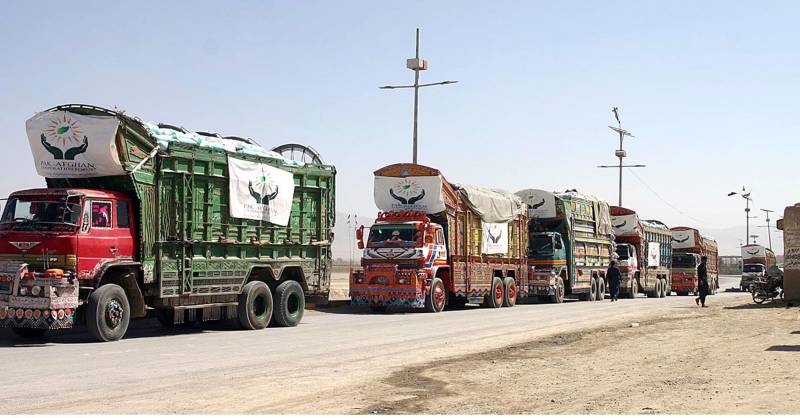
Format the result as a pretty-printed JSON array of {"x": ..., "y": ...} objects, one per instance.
[
  {"x": 681, "y": 240},
  {"x": 410, "y": 192},
  {"x": 261, "y": 193},
  {"x": 66, "y": 131}
]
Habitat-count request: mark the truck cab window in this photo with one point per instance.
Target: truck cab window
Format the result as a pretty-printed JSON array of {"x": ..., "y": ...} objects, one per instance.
[
  {"x": 122, "y": 214},
  {"x": 101, "y": 214}
]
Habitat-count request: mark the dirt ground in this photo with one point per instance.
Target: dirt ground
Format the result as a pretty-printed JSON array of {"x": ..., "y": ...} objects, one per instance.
[{"x": 736, "y": 359}]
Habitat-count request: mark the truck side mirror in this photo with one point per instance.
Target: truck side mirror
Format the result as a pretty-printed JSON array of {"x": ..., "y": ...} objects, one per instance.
[
  {"x": 360, "y": 237},
  {"x": 779, "y": 224}
]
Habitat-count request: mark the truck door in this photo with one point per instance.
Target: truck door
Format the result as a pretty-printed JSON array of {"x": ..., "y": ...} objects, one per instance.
[
  {"x": 124, "y": 227},
  {"x": 97, "y": 242}
]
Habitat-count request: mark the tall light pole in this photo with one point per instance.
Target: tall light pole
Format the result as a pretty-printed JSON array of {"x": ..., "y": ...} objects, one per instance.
[
  {"x": 769, "y": 235},
  {"x": 746, "y": 196},
  {"x": 620, "y": 153},
  {"x": 417, "y": 64}
]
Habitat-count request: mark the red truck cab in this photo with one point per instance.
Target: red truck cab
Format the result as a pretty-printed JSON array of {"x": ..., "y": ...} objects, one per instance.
[{"x": 53, "y": 244}]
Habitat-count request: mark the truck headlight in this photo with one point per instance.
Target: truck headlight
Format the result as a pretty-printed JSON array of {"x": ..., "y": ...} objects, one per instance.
[{"x": 36, "y": 290}]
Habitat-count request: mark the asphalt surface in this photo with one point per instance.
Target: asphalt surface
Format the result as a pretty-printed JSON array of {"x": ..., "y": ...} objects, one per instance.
[{"x": 217, "y": 368}]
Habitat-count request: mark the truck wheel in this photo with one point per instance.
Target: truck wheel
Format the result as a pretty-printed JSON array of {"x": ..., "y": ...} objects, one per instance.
[
  {"x": 558, "y": 296},
  {"x": 108, "y": 313},
  {"x": 495, "y": 297},
  {"x": 255, "y": 306},
  {"x": 29, "y": 333},
  {"x": 663, "y": 293},
  {"x": 290, "y": 302},
  {"x": 436, "y": 298},
  {"x": 510, "y": 292},
  {"x": 601, "y": 289},
  {"x": 634, "y": 289},
  {"x": 592, "y": 296},
  {"x": 655, "y": 292}
]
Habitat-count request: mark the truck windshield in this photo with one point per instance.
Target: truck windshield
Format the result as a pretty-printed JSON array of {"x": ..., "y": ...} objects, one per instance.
[
  {"x": 622, "y": 252},
  {"x": 394, "y": 235},
  {"x": 753, "y": 268},
  {"x": 683, "y": 261},
  {"x": 541, "y": 245},
  {"x": 40, "y": 214}
]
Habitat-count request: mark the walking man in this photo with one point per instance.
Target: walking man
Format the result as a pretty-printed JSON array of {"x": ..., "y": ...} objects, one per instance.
[
  {"x": 613, "y": 276},
  {"x": 702, "y": 282}
]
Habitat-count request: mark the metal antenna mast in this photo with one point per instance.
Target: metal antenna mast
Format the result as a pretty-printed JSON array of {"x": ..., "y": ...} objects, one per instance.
[{"x": 620, "y": 153}]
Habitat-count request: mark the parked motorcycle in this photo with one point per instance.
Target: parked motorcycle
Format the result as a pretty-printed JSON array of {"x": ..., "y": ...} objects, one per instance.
[{"x": 765, "y": 288}]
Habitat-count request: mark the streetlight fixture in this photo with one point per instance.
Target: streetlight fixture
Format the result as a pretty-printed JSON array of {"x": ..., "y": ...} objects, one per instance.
[
  {"x": 417, "y": 64},
  {"x": 769, "y": 235},
  {"x": 620, "y": 153},
  {"x": 746, "y": 196}
]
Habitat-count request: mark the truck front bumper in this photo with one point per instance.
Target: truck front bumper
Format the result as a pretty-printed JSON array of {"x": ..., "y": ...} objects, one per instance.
[
  {"x": 52, "y": 307},
  {"x": 385, "y": 296}
]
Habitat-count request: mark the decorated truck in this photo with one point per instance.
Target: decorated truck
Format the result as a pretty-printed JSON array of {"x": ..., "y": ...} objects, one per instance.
[
  {"x": 437, "y": 244},
  {"x": 136, "y": 215},
  {"x": 570, "y": 244},
  {"x": 643, "y": 253},
  {"x": 757, "y": 262},
  {"x": 688, "y": 246}
]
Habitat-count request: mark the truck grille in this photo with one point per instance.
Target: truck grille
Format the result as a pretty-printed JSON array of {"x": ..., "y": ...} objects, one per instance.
[{"x": 5, "y": 287}]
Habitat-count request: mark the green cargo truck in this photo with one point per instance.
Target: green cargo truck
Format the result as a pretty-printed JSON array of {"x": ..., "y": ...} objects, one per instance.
[{"x": 136, "y": 215}]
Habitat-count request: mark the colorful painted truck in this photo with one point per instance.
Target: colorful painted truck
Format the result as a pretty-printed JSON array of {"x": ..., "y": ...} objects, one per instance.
[
  {"x": 137, "y": 215},
  {"x": 643, "y": 252},
  {"x": 438, "y": 244},
  {"x": 757, "y": 262},
  {"x": 688, "y": 245},
  {"x": 570, "y": 243}
]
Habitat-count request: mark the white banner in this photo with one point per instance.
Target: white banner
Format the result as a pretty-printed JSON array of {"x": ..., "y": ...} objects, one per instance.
[
  {"x": 68, "y": 145},
  {"x": 683, "y": 239},
  {"x": 541, "y": 204},
  {"x": 626, "y": 225},
  {"x": 260, "y": 191},
  {"x": 495, "y": 238},
  {"x": 753, "y": 251},
  {"x": 422, "y": 193},
  {"x": 653, "y": 254}
]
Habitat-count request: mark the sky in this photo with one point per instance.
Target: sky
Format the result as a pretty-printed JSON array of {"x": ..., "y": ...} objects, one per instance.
[{"x": 710, "y": 90}]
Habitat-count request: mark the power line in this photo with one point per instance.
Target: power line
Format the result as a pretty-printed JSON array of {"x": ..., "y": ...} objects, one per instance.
[{"x": 666, "y": 202}]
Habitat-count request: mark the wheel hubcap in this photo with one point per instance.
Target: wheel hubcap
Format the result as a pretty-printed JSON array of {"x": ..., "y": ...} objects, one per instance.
[
  {"x": 294, "y": 304},
  {"x": 498, "y": 292},
  {"x": 260, "y": 306},
  {"x": 114, "y": 313},
  {"x": 438, "y": 296},
  {"x": 512, "y": 292}
]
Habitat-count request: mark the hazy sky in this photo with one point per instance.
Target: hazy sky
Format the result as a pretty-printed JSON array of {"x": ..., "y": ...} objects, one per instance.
[{"x": 710, "y": 89}]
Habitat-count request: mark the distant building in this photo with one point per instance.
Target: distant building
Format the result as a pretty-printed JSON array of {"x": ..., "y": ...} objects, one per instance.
[{"x": 730, "y": 264}]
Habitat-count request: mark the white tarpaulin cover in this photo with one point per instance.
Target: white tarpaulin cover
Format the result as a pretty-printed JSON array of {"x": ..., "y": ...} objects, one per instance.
[
  {"x": 653, "y": 254},
  {"x": 68, "y": 145},
  {"x": 541, "y": 204},
  {"x": 260, "y": 191},
  {"x": 417, "y": 193},
  {"x": 625, "y": 225},
  {"x": 683, "y": 239},
  {"x": 495, "y": 238},
  {"x": 493, "y": 206}
]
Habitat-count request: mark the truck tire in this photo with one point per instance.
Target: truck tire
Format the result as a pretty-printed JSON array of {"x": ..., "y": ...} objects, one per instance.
[
  {"x": 558, "y": 295},
  {"x": 509, "y": 292},
  {"x": 494, "y": 299},
  {"x": 108, "y": 313},
  {"x": 436, "y": 299},
  {"x": 592, "y": 295},
  {"x": 601, "y": 289},
  {"x": 655, "y": 292},
  {"x": 633, "y": 289},
  {"x": 255, "y": 306},
  {"x": 29, "y": 333},
  {"x": 290, "y": 302},
  {"x": 663, "y": 288}
]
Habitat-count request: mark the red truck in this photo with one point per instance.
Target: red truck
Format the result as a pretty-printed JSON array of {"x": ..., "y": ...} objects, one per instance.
[
  {"x": 688, "y": 245},
  {"x": 644, "y": 252},
  {"x": 438, "y": 244}
]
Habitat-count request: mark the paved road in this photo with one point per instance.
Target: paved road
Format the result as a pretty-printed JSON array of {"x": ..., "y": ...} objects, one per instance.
[{"x": 220, "y": 369}]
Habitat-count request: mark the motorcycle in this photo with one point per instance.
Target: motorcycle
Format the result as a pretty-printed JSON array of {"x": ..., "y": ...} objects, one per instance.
[{"x": 763, "y": 289}]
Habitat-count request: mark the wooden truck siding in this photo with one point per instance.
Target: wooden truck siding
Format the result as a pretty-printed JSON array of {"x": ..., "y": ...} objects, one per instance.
[{"x": 191, "y": 251}]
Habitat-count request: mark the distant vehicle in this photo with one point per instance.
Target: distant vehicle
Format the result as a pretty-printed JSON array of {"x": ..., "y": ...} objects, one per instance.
[
  {"x": 438, "y": 244},
  {"x": 757, "y": 262},
  {"x": 688, "y": 245},
  {"x": 569, "y": 245},
  {"x": 137, "y": 215},
  {"x": 643, "y": 253}
]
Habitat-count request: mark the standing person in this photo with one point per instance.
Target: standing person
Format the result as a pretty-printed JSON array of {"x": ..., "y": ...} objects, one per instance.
[
  {"x": 613, "y": 276},
  {"x": 702, "y": 282}
]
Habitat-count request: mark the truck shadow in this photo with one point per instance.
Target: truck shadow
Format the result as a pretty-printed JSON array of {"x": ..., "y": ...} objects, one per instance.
[
  {"x": 395, "y": 310},
  {"x": 765, "y": 305},
  {"x": 787, "y": 348}
]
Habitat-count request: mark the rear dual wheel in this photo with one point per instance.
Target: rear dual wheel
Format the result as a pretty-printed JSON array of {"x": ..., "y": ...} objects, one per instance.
[
  {"x": 601, "y": 289},
  {"x": 496, "y": 294}
]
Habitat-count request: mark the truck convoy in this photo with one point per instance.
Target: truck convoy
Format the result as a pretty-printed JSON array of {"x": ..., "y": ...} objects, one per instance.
[
  {"x": 135, "y": 215},
  {"x": 757, "y": 262},
  {"x": 570, "y": 244},
  {"x": 438, "y": 244},
  {"x": 687, "y": 248},
  {"x": 644, "y": 254}
]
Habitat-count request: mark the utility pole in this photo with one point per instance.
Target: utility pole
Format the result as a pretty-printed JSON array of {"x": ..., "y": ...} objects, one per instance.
[
  {"x": 417, "y": 64},
  {"x": 620, "y": 153},
  {"x": 769, "y": 235},
  {"x": 746, "y": 196}
]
